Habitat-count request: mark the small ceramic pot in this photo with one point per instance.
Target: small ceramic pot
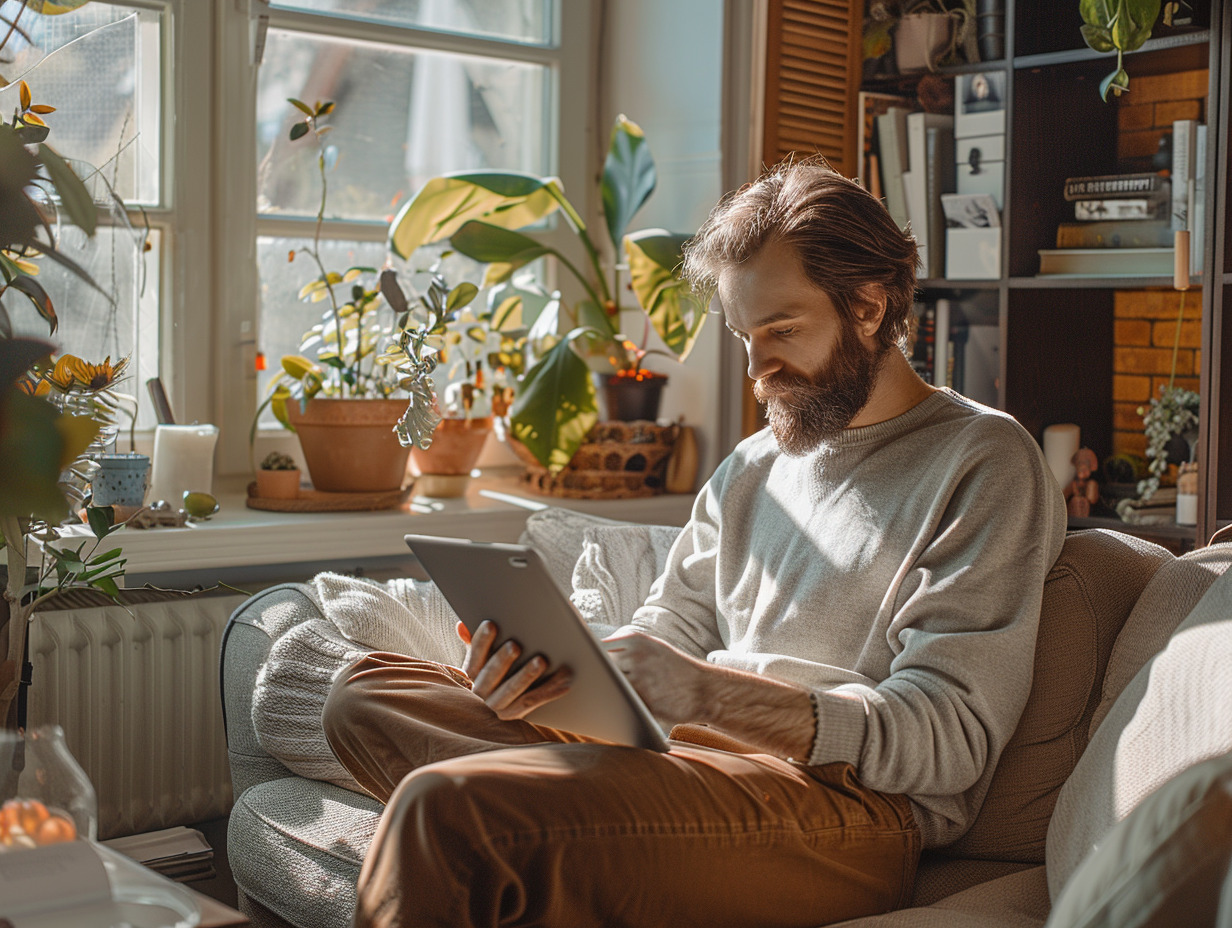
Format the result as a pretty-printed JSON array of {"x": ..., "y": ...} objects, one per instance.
[
  {"x": 920, "y": 38},
  {"x": 444, "y": 468},
  {"x": 277, "y": 484},
  {"x": 121, "y": 479}
]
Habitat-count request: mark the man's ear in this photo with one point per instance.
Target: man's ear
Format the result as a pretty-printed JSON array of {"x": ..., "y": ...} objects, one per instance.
[{"x": 869, "y": 307}]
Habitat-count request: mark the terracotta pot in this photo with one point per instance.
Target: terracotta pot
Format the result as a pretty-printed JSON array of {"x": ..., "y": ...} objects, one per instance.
[
  {"x": 350, "y": 445},
  {"x": 277, "y": 484},
  {"x": 443, "y": 470}
]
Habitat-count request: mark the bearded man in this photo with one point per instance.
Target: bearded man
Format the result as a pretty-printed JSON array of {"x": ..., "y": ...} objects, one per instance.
[{"x": 843, "y": 637}]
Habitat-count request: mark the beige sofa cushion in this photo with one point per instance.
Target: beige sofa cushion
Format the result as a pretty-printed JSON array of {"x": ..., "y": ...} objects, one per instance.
[
  {"x": 1087, "y": 597},
  {"x": 1168, "y": 598},
  {"x": 1176, "y": 712},
  {"x": 1019, "y": 900},
  {"x": 1164, "y": 864}
]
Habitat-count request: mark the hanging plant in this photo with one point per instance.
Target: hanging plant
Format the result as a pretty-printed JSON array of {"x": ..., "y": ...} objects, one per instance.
[{"x": 1117, "y": 25}]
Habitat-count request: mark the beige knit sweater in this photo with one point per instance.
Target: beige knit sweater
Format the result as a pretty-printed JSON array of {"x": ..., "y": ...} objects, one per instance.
[{"x": 902, "y": 564}]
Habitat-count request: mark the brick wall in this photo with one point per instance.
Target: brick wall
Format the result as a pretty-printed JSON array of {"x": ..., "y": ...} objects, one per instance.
[
  {"x": 1145, "y": 327},
  {"x": 1145, "y": 320}
]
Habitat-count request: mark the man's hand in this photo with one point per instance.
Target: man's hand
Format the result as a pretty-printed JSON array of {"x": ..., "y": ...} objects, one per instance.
[
  {"x": 768, "y": 714},
  {"x": 512, "y": 696}
]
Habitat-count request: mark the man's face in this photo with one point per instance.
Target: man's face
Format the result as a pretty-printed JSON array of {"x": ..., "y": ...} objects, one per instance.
[{"x": 812, "y": 369}]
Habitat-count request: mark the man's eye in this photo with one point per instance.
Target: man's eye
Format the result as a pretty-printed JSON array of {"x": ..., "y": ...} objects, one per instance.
[{"x": 782, "y": 333}]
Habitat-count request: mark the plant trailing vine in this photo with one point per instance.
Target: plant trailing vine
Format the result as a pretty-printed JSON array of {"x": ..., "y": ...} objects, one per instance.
[{"x": 1174, "y": 412}]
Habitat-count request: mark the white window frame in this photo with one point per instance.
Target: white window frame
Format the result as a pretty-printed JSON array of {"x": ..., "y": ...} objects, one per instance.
[{"x": 233, "y": 283}]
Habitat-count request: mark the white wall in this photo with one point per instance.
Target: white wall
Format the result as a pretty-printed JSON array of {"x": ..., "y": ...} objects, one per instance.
[{"x": 663, "y": 68}]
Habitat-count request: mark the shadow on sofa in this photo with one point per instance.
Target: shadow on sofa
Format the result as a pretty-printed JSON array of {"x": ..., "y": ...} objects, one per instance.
[{"x": 300, "y": 826}]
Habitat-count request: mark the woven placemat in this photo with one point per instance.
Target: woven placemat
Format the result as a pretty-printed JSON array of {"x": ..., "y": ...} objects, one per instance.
[{"x": 320, "y": 501}]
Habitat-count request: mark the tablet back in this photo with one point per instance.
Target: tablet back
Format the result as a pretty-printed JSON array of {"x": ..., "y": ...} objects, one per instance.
[{"x": 510, "y": 585}]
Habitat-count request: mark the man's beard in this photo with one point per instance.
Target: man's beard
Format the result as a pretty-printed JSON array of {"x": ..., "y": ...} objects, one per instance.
[{"x": 803, "y": 411}]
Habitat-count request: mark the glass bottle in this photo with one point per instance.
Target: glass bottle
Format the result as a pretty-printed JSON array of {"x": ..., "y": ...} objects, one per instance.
[{"x": 45, "y": 796}]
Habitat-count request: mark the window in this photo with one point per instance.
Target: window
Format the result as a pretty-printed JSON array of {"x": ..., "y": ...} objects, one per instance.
[{"x": 161, "y": 101}]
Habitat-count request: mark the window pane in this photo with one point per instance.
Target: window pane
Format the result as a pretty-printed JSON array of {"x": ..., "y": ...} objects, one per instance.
[
  {"x": 519, "y": 20},
  {"x": 99, "y": 67},
  {"x": 402, "y": 117},
  {"x": 121, "y": 321},
  {"x": 285, "y": 319}
]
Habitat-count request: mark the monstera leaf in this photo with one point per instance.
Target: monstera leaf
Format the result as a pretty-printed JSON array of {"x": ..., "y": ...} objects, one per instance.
[
  {"x": 444, "y": 204},
  {"x": 674, "y": 311},
  {"x": 556, "y": 406}
]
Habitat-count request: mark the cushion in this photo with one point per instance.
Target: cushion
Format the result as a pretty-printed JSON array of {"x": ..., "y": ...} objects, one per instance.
[
  {"x": 296, "y": 847},
  {"x": 614, "y": 574},
  {"x": 558, "y": 536},
  {"x": 1168, "y": 598},
  {"x": 1176, "y": 712},
  {"x": 1088, "y": 595},
  {"x": 1164, "y": 864},
  {"x": 1019, "y": 900}
]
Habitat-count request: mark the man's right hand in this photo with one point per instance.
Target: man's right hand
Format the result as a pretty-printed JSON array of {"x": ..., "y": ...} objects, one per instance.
[{"x": 509, "y": 696}]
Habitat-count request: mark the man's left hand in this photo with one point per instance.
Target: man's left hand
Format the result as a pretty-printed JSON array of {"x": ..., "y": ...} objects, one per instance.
[{"x": 670, "y": 682}]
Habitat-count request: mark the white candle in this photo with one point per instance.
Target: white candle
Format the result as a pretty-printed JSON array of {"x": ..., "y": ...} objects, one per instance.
[
  {"x": 183, "y": 460},
  {"x": 1060, "y": 443}
]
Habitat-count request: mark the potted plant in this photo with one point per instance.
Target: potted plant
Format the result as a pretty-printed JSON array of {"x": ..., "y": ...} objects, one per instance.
[
  {"x": 481, "y": 215},
  {"x": 922, "y": 33},
  {"x": 340, "y": 401},
  {"x": 1117, "y": 25},
  {"x": 278, "y": 477}
]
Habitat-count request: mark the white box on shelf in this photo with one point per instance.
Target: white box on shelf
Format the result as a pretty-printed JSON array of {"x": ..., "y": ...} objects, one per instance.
[
  {"x": 973, "y": 254},
  {"x": 981, "y": 166},
  {"x": 979, "y": 104}
]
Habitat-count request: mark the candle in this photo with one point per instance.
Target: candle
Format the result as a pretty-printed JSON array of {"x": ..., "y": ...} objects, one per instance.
[
  {"x": 183, "y": 460},
  {"x": 1060, "y": 443}
]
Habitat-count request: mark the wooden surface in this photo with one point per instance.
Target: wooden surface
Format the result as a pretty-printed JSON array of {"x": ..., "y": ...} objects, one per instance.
[{"x": 318, "y": 501}]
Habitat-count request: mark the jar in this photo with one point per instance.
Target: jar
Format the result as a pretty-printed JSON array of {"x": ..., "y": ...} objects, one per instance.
[{"x": 45, "y": 796}]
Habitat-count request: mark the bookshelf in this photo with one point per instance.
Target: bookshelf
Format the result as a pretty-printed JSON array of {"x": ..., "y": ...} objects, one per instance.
[{"x": 1059, "y": 349}]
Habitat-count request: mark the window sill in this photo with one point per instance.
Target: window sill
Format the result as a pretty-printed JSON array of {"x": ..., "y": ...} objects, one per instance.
[{"x": 240, "y": 544}]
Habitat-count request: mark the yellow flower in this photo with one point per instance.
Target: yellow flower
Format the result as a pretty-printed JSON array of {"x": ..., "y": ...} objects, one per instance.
[{"x": 71, "y": 371}]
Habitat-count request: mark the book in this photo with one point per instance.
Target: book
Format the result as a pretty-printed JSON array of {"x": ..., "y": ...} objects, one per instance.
[
  {"x": 1121, "y": 209},
  {"x": 1112, "y": 186},
  {"x": 1184, "y": 142},
  {"x": 892, "y": 155},
  {"x": 917, "y": 185},
  {"x": 870, "y": 107},
  {"x": 1122, "y": 233},
  {"x": 943, "y": 347},
  {"x": 1107, "y": 262},
  {"x": 1197, "y": 223},
  {"x": 940, "y": 181}
]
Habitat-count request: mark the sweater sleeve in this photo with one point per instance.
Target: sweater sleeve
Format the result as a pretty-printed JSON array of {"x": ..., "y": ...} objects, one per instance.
[
  {"x": 691, "y": 621},
  {"x": 966, "y": 614}
]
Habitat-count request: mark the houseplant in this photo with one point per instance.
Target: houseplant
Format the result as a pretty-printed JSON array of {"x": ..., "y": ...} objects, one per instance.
[
  {"x": 278, "y": 477},
  {"x": 1117, "y": 25},
  {"x": 481, "y": 213},
  {"x": 341, "y": 402},
  {"x": 922, "y": 33}
]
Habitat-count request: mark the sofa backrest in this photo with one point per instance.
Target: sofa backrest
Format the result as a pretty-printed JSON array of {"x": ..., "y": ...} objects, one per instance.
[{"x": 1088, "y": 596}]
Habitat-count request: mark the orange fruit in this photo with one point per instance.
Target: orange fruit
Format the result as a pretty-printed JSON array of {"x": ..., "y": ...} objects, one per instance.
[{"x": 55, "y": 830}]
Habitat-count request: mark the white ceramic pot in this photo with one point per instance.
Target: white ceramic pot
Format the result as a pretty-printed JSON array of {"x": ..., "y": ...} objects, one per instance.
[{"x": 920, "y": 39}]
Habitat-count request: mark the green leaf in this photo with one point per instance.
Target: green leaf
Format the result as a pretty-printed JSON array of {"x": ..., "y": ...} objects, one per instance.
[
  {"x": 1097, "y": 37},
  {"x": 38, "y": 296},
  {"x": 300, "y": 105},
  {"x": 556, "y": 406},
  {"x": 502, "y": 249},
  {"x": 55, "y": 7},
  {"x": 461, "y": 296},
  {"x": 108, "y": 586},
  {"x": 299, "y": 130},
  {"x": 105, "y": 556},
  {"x": 102, "y": 518},
  {"x": 72, "y": 192},
  {"x": 628, "y": 176},
  {"x": 1117, "y": 82},
  {"x": 515, "y": 306},
  {"x": 508, "y": 199},
  {"x": 676, "y": 313}
]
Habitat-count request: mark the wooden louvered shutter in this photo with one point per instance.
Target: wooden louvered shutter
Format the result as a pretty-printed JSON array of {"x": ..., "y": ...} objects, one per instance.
[{"x": 813, "y": 70}]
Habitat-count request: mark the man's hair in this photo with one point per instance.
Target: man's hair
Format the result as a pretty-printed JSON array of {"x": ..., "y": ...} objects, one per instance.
[{"x": 845, "y": 239}]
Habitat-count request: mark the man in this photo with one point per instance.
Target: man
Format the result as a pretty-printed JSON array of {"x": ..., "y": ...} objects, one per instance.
[{"x": 844, "y": 635}]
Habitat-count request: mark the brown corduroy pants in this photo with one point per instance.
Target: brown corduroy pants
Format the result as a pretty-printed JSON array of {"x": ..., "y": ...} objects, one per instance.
[{"x": 554, "y": 829}]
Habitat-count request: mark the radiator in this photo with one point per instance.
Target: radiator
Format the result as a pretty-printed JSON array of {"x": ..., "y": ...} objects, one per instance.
[{"x": 135, "y": 689}]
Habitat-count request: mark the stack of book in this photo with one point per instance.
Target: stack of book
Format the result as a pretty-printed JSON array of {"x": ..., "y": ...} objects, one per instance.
[
  {"x": 180, "y": 854},
  {"x": 916, "y": 161},
  {"x": 1123, "y": 224}
]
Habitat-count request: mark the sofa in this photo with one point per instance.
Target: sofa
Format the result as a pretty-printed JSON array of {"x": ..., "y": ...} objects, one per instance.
[{"x": 1112, "y": 804}]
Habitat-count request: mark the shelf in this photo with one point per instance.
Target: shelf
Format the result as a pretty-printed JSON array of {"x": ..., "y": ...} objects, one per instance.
[
  {"x": 1078, "y": 282},
  {"x": 1049, "y": 59},
  {"x": 942, "y": 283}
]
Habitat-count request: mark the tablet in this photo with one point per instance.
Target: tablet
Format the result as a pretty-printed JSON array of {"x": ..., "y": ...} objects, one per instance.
[{"x": 510, "y": 585}]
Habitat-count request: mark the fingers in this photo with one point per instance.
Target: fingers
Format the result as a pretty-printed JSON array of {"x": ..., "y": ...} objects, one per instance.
[
  {"x": 485, "y": 682},
  {"x": 552, "y": 687},
  {"x": 477, "y": 650}
]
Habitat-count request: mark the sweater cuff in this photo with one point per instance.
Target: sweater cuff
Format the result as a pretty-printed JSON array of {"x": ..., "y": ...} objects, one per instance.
[{"x": 842, "y": 722}]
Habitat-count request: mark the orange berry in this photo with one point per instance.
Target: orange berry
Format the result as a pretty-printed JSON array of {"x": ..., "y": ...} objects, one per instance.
[
  {"x": 55, "y": 830},
  {"x": 31, "y": 814}
]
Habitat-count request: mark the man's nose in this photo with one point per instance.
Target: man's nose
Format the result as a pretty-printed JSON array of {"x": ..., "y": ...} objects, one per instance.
[{"x": 762, "y": 360}]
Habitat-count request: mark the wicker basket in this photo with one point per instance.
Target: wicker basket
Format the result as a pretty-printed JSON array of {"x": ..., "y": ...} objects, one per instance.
[{"x": 618, "y": 460}]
